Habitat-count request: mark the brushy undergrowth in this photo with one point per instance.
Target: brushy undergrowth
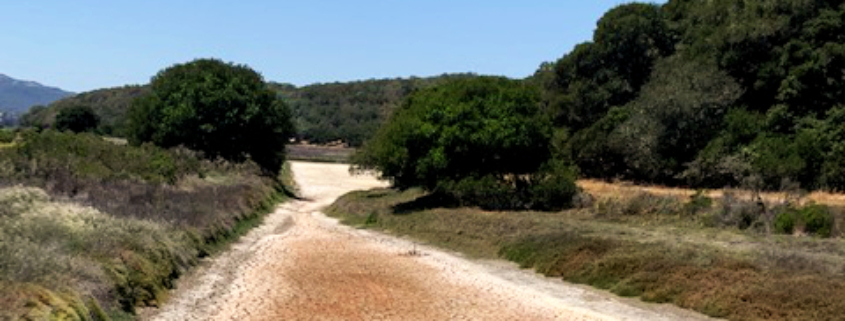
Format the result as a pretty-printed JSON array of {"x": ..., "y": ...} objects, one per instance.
[
  {"x": 102, "y": 228},
  {"x": 7, "y": 135},
  {"x": 696, "y": 253}
]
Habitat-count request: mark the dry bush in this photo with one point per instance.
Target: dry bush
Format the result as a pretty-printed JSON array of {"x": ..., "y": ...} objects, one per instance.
[
  {"x": 114, "y": 223},
  {"x": 639, "y": 204}
]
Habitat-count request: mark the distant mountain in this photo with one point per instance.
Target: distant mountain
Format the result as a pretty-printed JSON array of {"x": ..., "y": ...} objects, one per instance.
[{"x": 16, "y": 96}]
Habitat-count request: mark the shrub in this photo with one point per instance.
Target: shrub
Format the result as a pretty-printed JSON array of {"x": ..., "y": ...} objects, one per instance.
[
  {"x": 698, "y": 202},
  {"x": 738, "y": 212},
  {"x": 785, "y": 221},
  {"x": 639, "y": 204},
  {"x": 817, "y": 219},
  {"x": 7, "y": 136}
]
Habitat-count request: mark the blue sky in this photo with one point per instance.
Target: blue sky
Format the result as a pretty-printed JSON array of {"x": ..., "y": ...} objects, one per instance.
[{"x": 85, "y": 45}]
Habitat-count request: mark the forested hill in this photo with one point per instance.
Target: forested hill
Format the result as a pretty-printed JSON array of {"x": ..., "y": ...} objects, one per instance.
[
  {"x": 706, "y": 93},
  {"x": 348, "y": 112},
  {"x": 110, "y": 104}
]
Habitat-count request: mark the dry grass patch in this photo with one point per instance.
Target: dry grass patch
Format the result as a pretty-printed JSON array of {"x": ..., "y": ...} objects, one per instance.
[{"x": 656, "y": 247}]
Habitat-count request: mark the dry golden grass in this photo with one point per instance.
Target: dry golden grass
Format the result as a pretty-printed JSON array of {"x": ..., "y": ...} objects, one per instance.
[{"x": 601, "y": 189}]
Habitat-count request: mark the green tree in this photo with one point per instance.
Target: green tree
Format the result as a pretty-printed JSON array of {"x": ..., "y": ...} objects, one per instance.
[
  {"x": 678, "y": 112},
  {"x": 609, "y": 71},
  {"x": 479, "y": 140},
  {"x": 77, "y": 119},
  {"x": 222, "y": 109}
]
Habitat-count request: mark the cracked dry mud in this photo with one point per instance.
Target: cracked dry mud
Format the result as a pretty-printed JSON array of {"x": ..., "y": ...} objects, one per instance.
[{"x": 301, "y": 265}]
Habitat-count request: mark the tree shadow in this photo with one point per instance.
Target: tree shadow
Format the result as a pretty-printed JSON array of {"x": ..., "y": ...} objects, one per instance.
[{"x": 425, "y": 202}]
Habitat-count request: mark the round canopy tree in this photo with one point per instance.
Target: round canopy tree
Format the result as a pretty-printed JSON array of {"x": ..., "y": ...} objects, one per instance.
[
  {"x": 77, "y": 119},
  {"x": 480, "y": 140},
  {"x": 222, "y": 109}
]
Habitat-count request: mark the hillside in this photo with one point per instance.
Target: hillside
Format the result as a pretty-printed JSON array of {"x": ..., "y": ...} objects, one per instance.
[
  {"x": 110, "y": 104},
  {"x": 348, "y": 112},
  {"x": 351, "y": 111},
  {"x": 18, "y": 95}
]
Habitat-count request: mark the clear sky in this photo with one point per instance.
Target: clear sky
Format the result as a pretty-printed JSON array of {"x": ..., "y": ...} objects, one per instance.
[{"x": 87, "y": 44}]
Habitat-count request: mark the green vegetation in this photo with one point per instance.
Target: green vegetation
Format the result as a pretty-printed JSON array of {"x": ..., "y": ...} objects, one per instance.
[
  {"x": 691, "y": 253},
  {"x": 350, "y": 112},
  {"x": 148, "y": 215},
  {"x": 221, "y": 109},
  {"x": 688, "y": 93},
  {"x": 77, "y": 119},
  {"x": 323, "y": 113},
  {"x": 109, "y": 104},
  {"x": 705, "y": 94},
  {"x": 480, "y": 141},
  {"x": 7, "y": 136}
]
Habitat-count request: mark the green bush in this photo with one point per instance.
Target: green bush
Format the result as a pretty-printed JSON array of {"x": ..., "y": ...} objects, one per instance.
[
  {"x": 785, "y": 222},
  {"x": 51, "y": 154},
  {"x": 7, "y": 136},
  {"x": 698, "y": 203},
  {"x": 817, "y": 219}
]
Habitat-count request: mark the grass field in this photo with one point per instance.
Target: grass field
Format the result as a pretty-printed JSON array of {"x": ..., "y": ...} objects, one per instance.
[
  {"x": 660, "y": 245},
  {"x": 600, "y": 188},
  {"x": 316, "y": 153}
]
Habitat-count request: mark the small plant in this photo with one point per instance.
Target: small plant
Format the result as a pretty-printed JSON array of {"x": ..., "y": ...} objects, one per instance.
[
  {"x": 817, "y": 219},
  {"x": 7, "y": 136},
  {"x": 372, "y": 218},
  {"x": 785, "y": 222},
  {"x": 698, "y": 203},
  {"x": 738, "y": 212}
]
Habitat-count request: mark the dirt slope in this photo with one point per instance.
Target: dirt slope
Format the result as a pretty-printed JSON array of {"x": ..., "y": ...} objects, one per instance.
[{"x": 301, "y": 265}]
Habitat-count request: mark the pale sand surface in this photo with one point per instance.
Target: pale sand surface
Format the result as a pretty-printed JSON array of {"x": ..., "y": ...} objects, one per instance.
[{"x": 302, "y": 265}]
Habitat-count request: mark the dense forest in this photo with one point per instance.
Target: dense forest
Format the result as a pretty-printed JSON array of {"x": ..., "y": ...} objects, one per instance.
[
  {"x": 694, "y": 93},
  {"x": 707, "y": 94}
]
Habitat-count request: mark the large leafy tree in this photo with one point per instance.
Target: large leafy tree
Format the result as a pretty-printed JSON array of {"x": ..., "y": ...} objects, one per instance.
[
  {"x": 77, "y": 119},
  {"x": 222, "y": 109},
  {"x": 610, "y": 70},
  {"x": 480, "y": 140}
]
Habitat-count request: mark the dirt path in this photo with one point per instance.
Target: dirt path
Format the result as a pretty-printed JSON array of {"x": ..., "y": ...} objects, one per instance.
[{"x": 302, "y": 265}]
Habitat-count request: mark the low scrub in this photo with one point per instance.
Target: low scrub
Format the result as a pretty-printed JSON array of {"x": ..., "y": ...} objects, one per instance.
[
  {"x": 105, "y": 228},
  {"x": 658, "y": 248},
  {"x": 7, "y": 136}
]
